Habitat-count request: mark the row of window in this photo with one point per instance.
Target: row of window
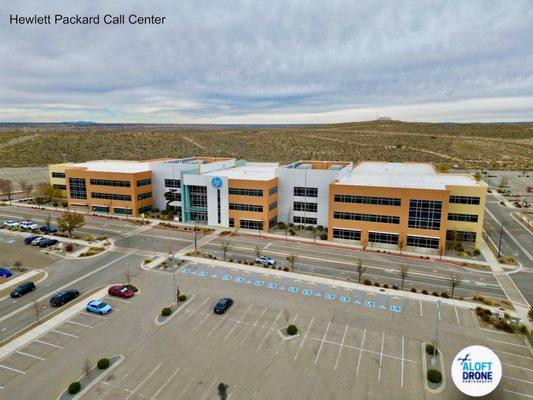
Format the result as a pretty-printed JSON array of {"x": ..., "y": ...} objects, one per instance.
[
  {"x": 389, "y": 238},
  {"x": 143, "y": 196},
  {"x": 420, "y": 241},
  {"x": 273, "y": 206},
  {"x": 110, "y": 182},
  {"x": 251, "y": 224},
  {"x": 116, "y": 210},
  {"x": 58, "y": 174},
  {"x": 272, "y": 222},
  {"x": 246, "y": 192},
  {"x": 380, "y": 201},
  {"x": 383, "y": 219},
  {"x": 464, "y": 200},
  {"x": 172, "y": 183},
  {"x": 463, "y": 217},
  {"x": 111, "y": 196},
  {"x": 462, "y": 236},
  {"x": 60, "y": 187},
  {"x": 173, "y": 196},
  {"x": 304, "y": 220},
  {"x": 305, "y": 191},
  {"x": 245, "y": 207},
  {"x": 425, "y": 214},
  {"x": 346, "y": 234},
  {"x": 273, "y": 190},
  {"x": 77, "y": 188},
  {"x": 378, "y": 237},
  {"x": 198, "y": 196},
  {"x": 144, "y": 182},
  {"x": 302, "y": 206}
]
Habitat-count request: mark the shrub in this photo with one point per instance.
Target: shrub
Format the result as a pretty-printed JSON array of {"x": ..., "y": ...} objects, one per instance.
[
  {"x": 69, "y": 247},
  {"x": 477, "y": 252},
  {"x": 386, "y": 286},
  {"x": 286, "y": 269},
  {"x": 182, "y": 297},
  {"x": 74, "y": 387},
  {"x": 377, "y": 284},
  {"x": 504, "y": 326},
  {"x": 323, "y": 236},
  {"x": 434, "y": 376},
  {"x": 131, "y": 287},
  {"x": 103, "y": 363},
  {"x": 413, "y": 290},
  {"x": 368, "y": 282},
  {"x": 147, "y": 260},
  {"x": 292, "y": 330},
  {"x": 445, "y": 295},
  {"x": 395, "y": 287},
  {"x": 430, "y": 349},
  {"x": 435, "y": 294},
  {"x": 424, "y": 291},
  {"x": 165, "y": 312}
]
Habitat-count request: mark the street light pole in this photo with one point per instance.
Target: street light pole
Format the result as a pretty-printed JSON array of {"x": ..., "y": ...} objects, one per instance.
[
  {"x": 195, "y": 233},
  {"x": 436, "y": 337},
  {"x": 500, "y": 243},
  {"x": 174, "y": 295}
]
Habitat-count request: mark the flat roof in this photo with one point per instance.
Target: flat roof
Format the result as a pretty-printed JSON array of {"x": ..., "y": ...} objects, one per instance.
[
  {"x": 249, "y": 171},
  {"x": 123, "y": 166},
  {"x": 403, "y": 175}
]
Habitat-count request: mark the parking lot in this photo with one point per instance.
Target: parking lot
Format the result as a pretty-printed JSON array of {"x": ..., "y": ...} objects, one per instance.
[{"x": 343, "y": 350}]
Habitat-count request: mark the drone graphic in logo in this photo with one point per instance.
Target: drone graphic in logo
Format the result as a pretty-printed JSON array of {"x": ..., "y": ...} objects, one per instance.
[{"x": 467, "y": 358}]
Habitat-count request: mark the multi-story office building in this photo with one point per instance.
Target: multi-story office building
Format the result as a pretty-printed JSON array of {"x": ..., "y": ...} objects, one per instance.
[{"x": 376, "y": 204}]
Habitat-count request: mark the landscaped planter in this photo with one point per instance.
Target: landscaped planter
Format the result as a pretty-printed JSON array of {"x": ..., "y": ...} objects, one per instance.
[
  {"x": 433, "y": 368},
  {"x": 162, "y": 319}
]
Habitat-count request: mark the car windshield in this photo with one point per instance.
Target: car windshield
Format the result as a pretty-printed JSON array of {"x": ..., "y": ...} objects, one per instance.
[
  {"x": 102, "y": 305},
  {"x": 123, "y": 289},
  {"x": 222, "y": 302}
]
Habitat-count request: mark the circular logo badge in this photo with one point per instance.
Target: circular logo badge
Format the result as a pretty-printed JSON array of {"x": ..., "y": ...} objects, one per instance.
[
  {"x": 476, "y": 371},
  {"x": 216, "y": 182}
]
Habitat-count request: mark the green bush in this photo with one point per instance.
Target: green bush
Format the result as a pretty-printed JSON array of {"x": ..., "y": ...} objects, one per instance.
[
  {"x": 292, "y": 330},
  {"x": 430, "y": 349},
  {"x": 368, "y": 282},
  {"x": 434, "y": 376},
  {"x": 445, "y": 295},
  {"x": 74, "y": 387},
  {"x": 131, "y": 287},
  {"x": 165, "y": 312},
  {"x": 182, "y": 297},
  {"x": 103, "y": 363}
]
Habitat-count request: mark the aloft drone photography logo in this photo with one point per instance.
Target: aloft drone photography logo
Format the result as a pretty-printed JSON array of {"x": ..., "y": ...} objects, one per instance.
[{"x": 476, "y": 371}]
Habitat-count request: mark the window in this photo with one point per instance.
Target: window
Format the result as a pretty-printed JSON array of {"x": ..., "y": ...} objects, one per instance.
[
  {"x": 101, "y": 209},
  {"x": 304, "y": 220},
  {"x": 175, "y": 209},
  {"x": 111, "y": 196},
  {"x": 218, "y": 206},
  {"x": 77, "y": 188},
  {"x": 144, "y": 209},
  {"x": 380, "y": 201},
  {"x": 245, "y": 207},
  {"x": 273, "y": 190},
  {"x": 272, "y": 222},
  {"x": 232, "y": 222},
  {"x": 461, "y": 236},
  {"x": 60, "y": 187},
  {"x": 348, "y": 234},
  {"x": 378, "y": 237},
  {"x": 173, "y": 183},
  {"x": 172, "y": 196},
  {"x": 301, "y": 206},
  {"x": 273, "y": 206},
  {"x": 143, "y": 196},
  {"x": 58, "y": 174},
  {"x": 250, "y": 224},
  {"x": 420, "y": 241},
  {"x": 119, "y": 210},
  {"x": 144, "y": 182},
  {"x": 109, "y": 182},
  {"x": 198, "y": 196},
  {"x": 464, "y": 200},
  {"x": 425, "y": 214},
  {"x": 200, "y": 216},
  {"x": 383, "y": 219},
  {"x": 462, "y": 217},
  {"x": 246, "y": 192},
  {"x": 305, "y": 192}
]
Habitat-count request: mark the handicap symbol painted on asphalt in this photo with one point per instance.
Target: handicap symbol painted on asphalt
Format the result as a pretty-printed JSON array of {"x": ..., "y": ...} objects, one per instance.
[
  {"x": 272, "y": 285},
  {"x": 259, "y": 283},
  {"x": 345, "y": 299},
  {"x": 396, "y": 309},
  {"x": 293, "y": 289},
  {"x": 307, "y": 292},
  {"x": 370, "y": 303},
  {"x": 202, "y": 273},
  {"x": 226, "y": 277},
  {"x": 185, "y": 270},
  {"x": 330, "y": 296},
  {"x": 239, "y": 280}
]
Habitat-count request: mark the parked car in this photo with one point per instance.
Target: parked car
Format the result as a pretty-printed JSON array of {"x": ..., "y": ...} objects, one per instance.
[
  {"x": 61, "y": 298},
  {"x": 120, "y": 291},
  {"x": 35, "y": 242},
  {"x": 223, "y": 305},
  {"x": 48, "y": 242},
  {"x": 11, "y": 224},
  {"x": 5, "y": 273},
  {"x": 98, "y": 307},
  {"x": 30, "y": 239},
  {"x": 265, "y": 260},
  {"x": 22, "y": 289},
  {"x": 48, "y": 229},
  {"x": 29, "y": 225}
]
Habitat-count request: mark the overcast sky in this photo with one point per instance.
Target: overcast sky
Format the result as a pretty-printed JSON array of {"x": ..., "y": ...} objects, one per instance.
[{"x": 270, "y": 62}]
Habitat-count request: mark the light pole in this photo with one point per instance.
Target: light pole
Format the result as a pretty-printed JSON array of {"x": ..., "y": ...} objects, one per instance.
[
  {"x": 436, "y": 337},
  {"x": 174, "y": 294},
  {"x": 500, "y": 242},
  {"x": 195, "y": 233}
]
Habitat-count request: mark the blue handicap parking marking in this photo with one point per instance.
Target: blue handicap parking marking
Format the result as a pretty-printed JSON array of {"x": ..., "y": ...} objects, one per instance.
[
  {"x": 395, "y": 308},
  {"x": 185, "y": 270},
  {"x": 330, "y": 296},
  {"x": 307, "y": 292},
  {"x": 293, "y": 289},
  {"x": 202, "y": 273},
  {"x": 345, "y": 299},
  {"x": 370, "y": 303},
  {"x": 259, "y": 283},
  {"x": 272, "y": 285},
  {"x": 239, "y": 280},
  {"x": 226, "y": 277}
]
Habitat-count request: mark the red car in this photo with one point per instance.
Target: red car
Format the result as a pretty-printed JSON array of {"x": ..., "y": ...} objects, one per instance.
[{"x": 120, "y": 291}]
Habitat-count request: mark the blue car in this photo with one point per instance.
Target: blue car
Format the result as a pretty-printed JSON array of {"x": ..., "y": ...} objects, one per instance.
[
  {"x": 98, "y": 307},
  {"x": 30, "y": 239},
  {"x": 48, "y": 229},
  {"x": 5, "y": 273}
]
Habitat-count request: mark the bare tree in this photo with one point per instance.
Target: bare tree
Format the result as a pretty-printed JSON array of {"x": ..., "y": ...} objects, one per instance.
[
  {"x": 18, "y": 265},
  {"x": 455, "y": 281},
  {"x": 86, "y": 368},
  {"x": 225, "y": 244},
  {"x": 258, "y": 251},
  {"x": 291, "y": 259},
  {"x": 25, "y": 187},
  {"x": 6, "y": 188},
  {"x": 37, "y": 311},
  {"x": 401, "y": 244},
  {"x": 404, "y": 269},
  {"x": 360, "y": 269},
  {"x": 48, "y": 220},
  {"x": 315, "y": 232},
  {"x": 128, "y": 274}
]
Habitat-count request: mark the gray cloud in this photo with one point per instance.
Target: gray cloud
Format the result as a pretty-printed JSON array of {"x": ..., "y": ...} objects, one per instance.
[{"x": 271, "y": 61}]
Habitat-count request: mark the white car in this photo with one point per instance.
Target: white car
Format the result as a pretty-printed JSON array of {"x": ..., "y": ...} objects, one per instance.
[
  {"x": 36, "y": 242},
  {"x": 265, "y": 260},
  {"x": 29, "y": 225},
  {"x": 11, "y": 224}
]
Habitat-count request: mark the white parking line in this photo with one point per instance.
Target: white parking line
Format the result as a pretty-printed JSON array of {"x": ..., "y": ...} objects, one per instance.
[
  {"x": 340, "y": 348},
  {"x": 361, "y": 352},
  {"x": 201, "y": 322},
  {"x": 112, "y": 298},
  {"x": 210, "y": 386},
  {"x": 518, "y": 393},
  {"x": 381, "y": 356},
  {"x": 93, "y": 315},
  {"x": 421, "y": 315},
  {"x": 268, "y": 332},
  {"x": 184, "y": 389},
  {"x": 457, "y": 316},
  {"x": 403, "y": 340},
  {"x": 516, "y": 366},
  {"x": 30, "y": 355},
  {"x": 510, "y": 344},
  {"x": 198, "y": 309},
  {"x": 512, "y": 354},
  {"x": 516, "y": 379},
  {"x": 322, "y": 343},
  {"x": 254, "y": 325},
  {"x": 143, "y": 381},
  {"x": 65, "y": 333},
  {"x": 165, "y": 384},
  {"x": 48, "y": 344},
  {"x": 12, "y": 369},
  {"x": 234, "y": 326},
  {"x": 77, "y": 323},
  {"x": 303, "y": 340},
  {"x": 217, "y": 325}
]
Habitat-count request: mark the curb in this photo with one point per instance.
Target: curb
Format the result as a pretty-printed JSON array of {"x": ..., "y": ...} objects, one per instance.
[
  {"x": 425, "y": 370},
  {"x": 178, "y": 309}
]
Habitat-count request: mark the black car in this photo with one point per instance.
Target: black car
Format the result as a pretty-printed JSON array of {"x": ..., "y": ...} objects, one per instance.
[
  {"x": 22, "y": 289},
  {"x": 61, "y": 298},
  {"x": 223, "y": 305},
  {"x": 48, "y": 229},
  {"x": 48, "y": 242}
]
